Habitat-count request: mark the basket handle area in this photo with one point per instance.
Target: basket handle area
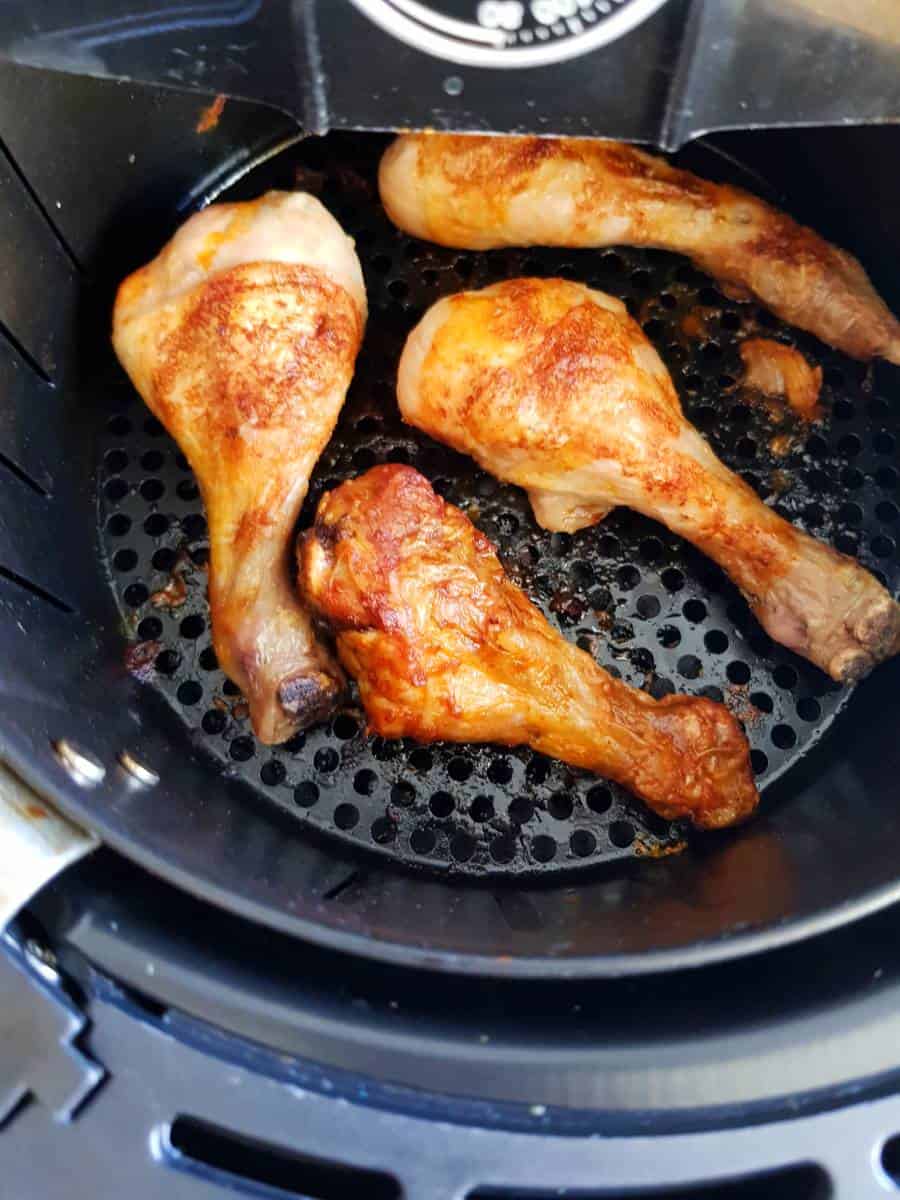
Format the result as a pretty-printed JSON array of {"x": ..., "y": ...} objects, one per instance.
[{"x": 36, "y": 844}]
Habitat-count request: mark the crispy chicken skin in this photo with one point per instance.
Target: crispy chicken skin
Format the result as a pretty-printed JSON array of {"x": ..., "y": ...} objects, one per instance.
[
  {"x": 781, "y": 371},
  {"x": 479, "y": 192},
  {"x": 241, "y": 337},
  {"x": 444, "y": 646},
  {"x": 552, "y": 386}
]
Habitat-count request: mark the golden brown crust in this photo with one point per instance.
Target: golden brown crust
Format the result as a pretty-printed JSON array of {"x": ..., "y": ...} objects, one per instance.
[
  {"x": 478, "y": 192},
  {"x": 552, "y": 386},
  {"x": 289, "y": 331},
  {"x": 444, "y": 646},
  {"x": 248, "y": 371}
]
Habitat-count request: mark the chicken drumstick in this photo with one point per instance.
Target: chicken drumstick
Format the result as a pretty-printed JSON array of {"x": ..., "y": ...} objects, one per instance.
[
  {"x": 444, "y": 646},
  {"x": 241, "y": 337},
  {"x": 482, "y": 192},
  {"x": 552, "y": 386}
]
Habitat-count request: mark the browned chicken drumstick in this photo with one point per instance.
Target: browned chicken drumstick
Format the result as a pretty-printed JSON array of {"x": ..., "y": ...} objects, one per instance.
[
  {"x": 241, "y": 337},
  {"x": 444, "y": 646},
  {"x": 482, "y": 192},
  {"x": 552, "y": 386}
]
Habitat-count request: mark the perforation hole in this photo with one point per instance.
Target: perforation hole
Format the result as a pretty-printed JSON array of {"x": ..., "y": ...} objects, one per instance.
[
  {"x": 326, "y": 760},
  {"x": 738, "y": 672},
  {"x": 153, "y": 490},
  {"x": 648, "y": 607},
  {"x": 459, "y": 769},
  {"x": 543, "y": 848},
  {"x": 694, "y": 611},
  {"x": 383, "y": 831},
  {"x": 441, "y": 805},
  {"x": 242, "y": 749},
  {"x": 668, "y": 636},
  {"x": 785, "y": 676},
  {"x": 345, "y": 727},
  {"x": 784, "y": 737},
  {"x": 135, "y": 595},
  {"x": 621, "y": 834},
  {"x": 118, "y": 525},
  {"x": 809, "y": 709},
  {"x": 306, "y": 794},
  {"x": 346, "y": 816},
  {"x": 365, "y": 782},
  {"x": 503, "y": 848},
  {"x": 849, "y": 445},
  {"x": 560, "y": 806},
  {"x": 189, "y": 692},
  {"x": 759, "y": 761},
  {"x": 421, "y": 760},
  {"x": 192, "y": 627},
  {"x": 462, "y": 846},
  {"x": 521, "y": 810},
  {"x": 186, "y": 489},
  {"x": 599, "y": 799},
  {"x": 482, "y": 809},
  {"x": 168, "y": 662},
  {"x": 582, "y": 843},
  {"x": 193, "y": 526},
  {"x": 115, "y": 490},
  {"x": 500, "y": 771},
  {"x": 213, "y": 721},
  {"x": 125, "y": 560},
  {"x": 716, "y": 642}
]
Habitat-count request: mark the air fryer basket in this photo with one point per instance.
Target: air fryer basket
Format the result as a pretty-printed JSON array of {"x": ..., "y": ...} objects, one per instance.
[{"x": 470, "y": 857}]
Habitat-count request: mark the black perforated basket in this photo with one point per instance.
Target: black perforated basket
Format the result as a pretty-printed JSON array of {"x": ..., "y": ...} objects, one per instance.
[{"x": 471, "y": 857}]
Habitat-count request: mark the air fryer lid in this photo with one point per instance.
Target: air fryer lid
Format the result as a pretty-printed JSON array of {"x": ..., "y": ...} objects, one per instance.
[{"x": 519, "y": 865}]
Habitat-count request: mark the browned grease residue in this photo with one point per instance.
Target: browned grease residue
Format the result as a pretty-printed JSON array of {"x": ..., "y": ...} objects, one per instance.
[
  {"x": 655, "y": 850},
  {"x": 209, "y": 116},
  {"x": 173, "y": 595},
  {"x": 36, "y": 812},
  {"x": 697, "y": 321},
  {"x": 139, "y": 659}
]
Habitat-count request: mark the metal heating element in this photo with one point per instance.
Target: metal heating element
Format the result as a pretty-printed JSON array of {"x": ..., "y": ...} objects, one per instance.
[{"x": 643, "y": 602}]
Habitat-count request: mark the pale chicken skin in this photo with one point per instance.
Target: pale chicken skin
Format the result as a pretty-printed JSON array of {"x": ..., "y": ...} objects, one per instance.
[
  {"x": 444, "y": 646},
  {"x": 478, "y": 192},
  {"x": 241, "y": 337},
  {"x": 552, "y": 386}
]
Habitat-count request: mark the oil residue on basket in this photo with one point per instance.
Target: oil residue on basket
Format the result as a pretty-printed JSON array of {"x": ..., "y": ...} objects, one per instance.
[{"x": 643, "y": 603}]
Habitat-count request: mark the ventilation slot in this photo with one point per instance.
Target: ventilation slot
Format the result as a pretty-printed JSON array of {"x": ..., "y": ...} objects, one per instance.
[
  {"x": 24, "y": 354},
  {"x": 796, "y": 1183},
  {"x": 890, "y": 1158},
  {"x": 244, "y": 1164},
  {"x": 35, "y": 589},
  {"x": 22, "y": 476}
]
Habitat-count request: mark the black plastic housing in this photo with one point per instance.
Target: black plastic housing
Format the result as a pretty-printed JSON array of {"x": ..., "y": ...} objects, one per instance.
[{"x": 96, "y": 175}]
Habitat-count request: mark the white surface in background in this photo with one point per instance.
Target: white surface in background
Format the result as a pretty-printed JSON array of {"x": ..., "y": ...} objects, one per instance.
[{"x": 36, "y": 843}]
